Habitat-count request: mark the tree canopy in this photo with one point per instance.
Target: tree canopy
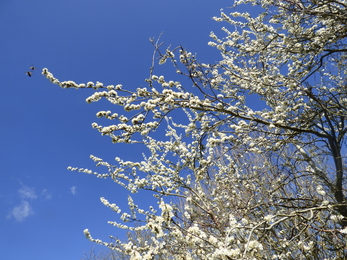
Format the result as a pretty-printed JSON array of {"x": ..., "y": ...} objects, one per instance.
[{"x": 234, "y": 181}]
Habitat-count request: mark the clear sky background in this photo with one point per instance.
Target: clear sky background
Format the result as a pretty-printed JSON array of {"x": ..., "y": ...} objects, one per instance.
[{"x": 44, "y": 208}]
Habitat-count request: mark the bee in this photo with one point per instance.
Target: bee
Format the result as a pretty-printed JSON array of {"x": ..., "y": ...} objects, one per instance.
[{"x": 30, "y": 72}]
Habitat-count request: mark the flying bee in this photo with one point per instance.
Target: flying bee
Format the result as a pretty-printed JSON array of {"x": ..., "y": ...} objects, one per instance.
[{"x": 31, "y": 70}]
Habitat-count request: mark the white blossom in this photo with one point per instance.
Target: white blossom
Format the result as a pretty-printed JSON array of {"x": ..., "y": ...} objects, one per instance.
[{"x": 246, "y": 159}]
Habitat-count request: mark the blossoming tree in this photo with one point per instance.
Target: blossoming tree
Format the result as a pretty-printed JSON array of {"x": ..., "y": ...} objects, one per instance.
[{"x": 233, "y": 181}]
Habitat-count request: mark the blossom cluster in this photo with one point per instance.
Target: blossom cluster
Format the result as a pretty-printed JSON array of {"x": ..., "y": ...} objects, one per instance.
[{"x": 232, "y": 180}]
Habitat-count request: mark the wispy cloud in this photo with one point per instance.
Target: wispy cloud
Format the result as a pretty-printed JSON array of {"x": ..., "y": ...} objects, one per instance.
[
  {"x": 27, "y": 193},
  {"x": 24, "y": 209},
  {"x": 46, "y": 195},
  {"x": 21, "y": 212},
  {"x": 73, "y": 190}
]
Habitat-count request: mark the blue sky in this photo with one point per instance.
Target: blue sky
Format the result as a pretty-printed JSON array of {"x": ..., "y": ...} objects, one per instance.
[{"x": 45, "y": 129}]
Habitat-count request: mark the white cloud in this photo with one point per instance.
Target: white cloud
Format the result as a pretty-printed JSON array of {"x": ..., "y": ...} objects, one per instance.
[
  {"x": 73, "y": 190},
  {"x": 46, "y": 195},
  {"x": 27, "y": 193},
  {"x": 21, "y": 212},
  {"x": 24, "y": 209}
]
